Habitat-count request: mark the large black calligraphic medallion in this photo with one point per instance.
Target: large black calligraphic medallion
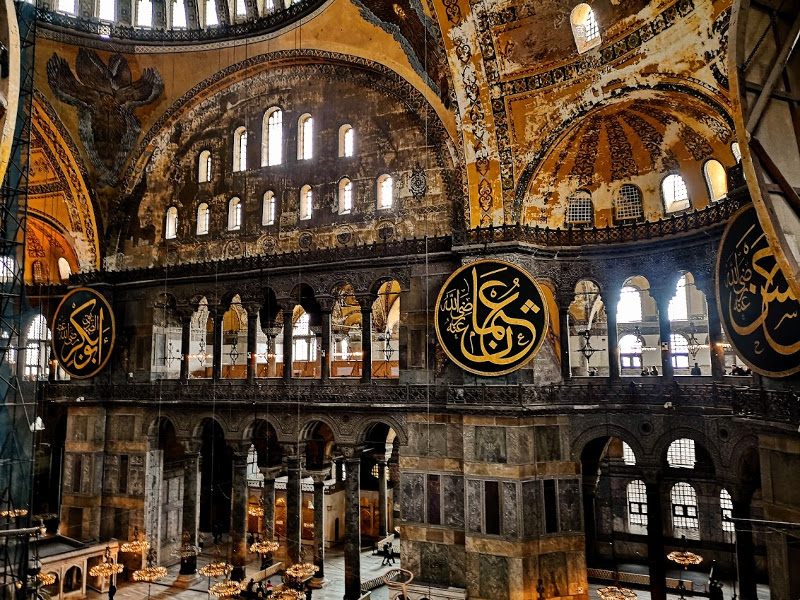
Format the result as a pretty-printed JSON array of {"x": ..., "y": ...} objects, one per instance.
[
  {"x": 758, "y": 309},
  {"x": 83, "y": 333},
  {"x": 491, "y": 317}
]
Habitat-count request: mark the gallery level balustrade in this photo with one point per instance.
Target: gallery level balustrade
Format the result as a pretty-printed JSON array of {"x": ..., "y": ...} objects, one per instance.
[{"x": 729, "y": 397}]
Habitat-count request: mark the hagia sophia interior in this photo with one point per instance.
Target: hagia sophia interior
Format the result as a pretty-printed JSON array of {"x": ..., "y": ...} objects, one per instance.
[{"x": 510, "y": 286}]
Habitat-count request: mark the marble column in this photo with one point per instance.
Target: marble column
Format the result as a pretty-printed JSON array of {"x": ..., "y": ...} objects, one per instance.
[
  {"x": 745, "y": 550},
  {"x": 352, "y": 527},
  {"x": 366, "y": 338},
  {"x": 319, "y": 529},
  {"x": 655, "y": 539},
  {"x": 191, "y": 507},
  {"x": 239, "y": 515},
  {"x": 715, "y": 341},
  {"x": 293, "y": 509},
  {"x": 382, "y": 512},
  {"x": 563, "y": 325},
  {"x": 288, "y": 325},
  {"x": 252, "y": 344},
  {"x": 186, "y": 336},
  {"x": 216, "y": 369},
  {"x": 662, "y": 296},
  {"x": 268, "y": 502},
  {"x": 325, "y": 359},
  {"x": 610, "y": 300}
]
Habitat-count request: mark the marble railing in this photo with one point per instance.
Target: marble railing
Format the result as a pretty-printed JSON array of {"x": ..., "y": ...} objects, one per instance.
[{"x": 739, "y": 397}]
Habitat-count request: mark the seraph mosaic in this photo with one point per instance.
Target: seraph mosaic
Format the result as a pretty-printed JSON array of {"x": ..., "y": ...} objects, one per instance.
[{"x": 105, "y": 96}]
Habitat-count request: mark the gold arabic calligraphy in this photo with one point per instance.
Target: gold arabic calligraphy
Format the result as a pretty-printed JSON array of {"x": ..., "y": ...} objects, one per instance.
[
  {"x": 752, "y": 273},
  {"x": 82, "y": 337},
  {"x": 478, "y": 312}
]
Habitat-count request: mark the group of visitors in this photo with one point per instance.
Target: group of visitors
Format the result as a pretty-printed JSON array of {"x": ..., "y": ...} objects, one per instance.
[
  {"x": 257, "y": 591},
  {"x": 388, "y": 554},
  {"x": 651, "y": 372}
]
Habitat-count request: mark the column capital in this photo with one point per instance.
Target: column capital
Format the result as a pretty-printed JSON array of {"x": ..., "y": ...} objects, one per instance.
[
  {"x": 319, "y": 476},
  {"x": 292, "y": 449},
  {"x": 351, "y": 452},
  {"x": 326, "y": 303},
  {"x": 191, "y": 446},
  {"x": 366, "y": 301},
  {"x": 270, "y": 473}
]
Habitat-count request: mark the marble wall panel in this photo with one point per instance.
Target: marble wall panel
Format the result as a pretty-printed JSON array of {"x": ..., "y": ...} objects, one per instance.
[
  {"x": 493, "y": 576},
  {"x": 474, "y": 506},
  {"x": 510, "y": 513},
  {"x": 490, "y": 444},
  {"x": 432, "y": 439},
  {"x": 547, "y": 443},
  {"x": 553, "y": 572},
  {"x": 453, "y": 498},
  {"x": 413, "y": 497},
  {"x": 531, "y": 509},
  {"x": 434, "y": 563},
  {"x": 136, "y": 475},
  {"x": 569, "y": 493}
]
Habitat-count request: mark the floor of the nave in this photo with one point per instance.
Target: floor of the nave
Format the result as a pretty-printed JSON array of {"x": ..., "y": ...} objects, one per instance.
[{"x": 370, "y": 569}]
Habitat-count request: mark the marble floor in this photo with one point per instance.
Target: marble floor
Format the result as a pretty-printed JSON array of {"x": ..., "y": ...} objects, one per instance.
[{"x": 334, "y": 582}]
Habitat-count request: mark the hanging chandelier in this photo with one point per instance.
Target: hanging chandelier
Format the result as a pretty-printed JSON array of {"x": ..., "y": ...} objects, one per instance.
[
  {"x": 45, "y": 579},
  {"x": 225, "y": 589},
  {"x": 685, "y": 558},
  {"x": 289, "y": 594},
  {"x": 263, "y": 547},
  {"x": 135, "y": 545},
  {"x": 215, "y": 569},
  {"x": 613, "y": 592},
  {"x": 107, "y": 568},
  {"x": 255, "y": 511},
  {"x": 152, "y": 572},
  {"x": 14, "y": 512},
  {"x": 301, "y": 571}
]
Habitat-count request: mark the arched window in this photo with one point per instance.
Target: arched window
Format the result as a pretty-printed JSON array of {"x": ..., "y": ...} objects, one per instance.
[
  {"x": 584, "y": 28},
  {"x": 716, "y": 180},
  {"x": 681, "y": 454},
  {"x": 385, "y": 191},
  {"x": 346, "y": 140},
  {"x": 736, "y": 151},
  {"x": 241, "y": 9},
  {"x": 8, "y": 269},
  {"x": 171, "y": 224},
  {"x": 629, "y": 203},
  {"x": 726, "y": 508},
  {"x": 36, "y": 353},
  {"x": 268, "y": 208},
  {"x": 144, "y": 13},
  {"x": 178, "y": 14},
  {"x": 678, "y": 309},
  {"x": 204, "y": 167},
  {"x": 305, "y": 137},
  {"x": 674, "y": 193},
  {"x": 64, "y": 270},
  {"x": 630, "y": 352},
  {"x": 203, "y": 218},
  {"x": 684, "y": 506},
  {"x": 637, "y": 506},
  {"x": 212, "y": 20},
  {"x": 579, "y": 209},
  {"x": 628, "y": 457},
  {"x": 306, "y": 202},
  {"x": 679, "y": 347},
  {"x": 272, "y": 138},
  {"x": 107, "y": 10},
  {"x": 234, "y": 214},
  {"x": 240, "y": 149},
  {"x": 305, "y": 341},
  {"x": 345, "y": 196},
  {"x": 629, "y": 307}
]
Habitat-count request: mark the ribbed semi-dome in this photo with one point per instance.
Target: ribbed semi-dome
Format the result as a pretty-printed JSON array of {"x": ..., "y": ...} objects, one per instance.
[{"x": 637, "y": 141}]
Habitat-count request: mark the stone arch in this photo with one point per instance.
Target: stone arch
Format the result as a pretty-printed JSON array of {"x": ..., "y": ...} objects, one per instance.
[
  {"x": 368, "y": 425},
  {"x": 262, "y": 432},
  {"x": 200, "y": 421},
  {"x": 608, "y": 430},
  {"x": 307, "y": 425},
  {"x": 663, "y": 442}
]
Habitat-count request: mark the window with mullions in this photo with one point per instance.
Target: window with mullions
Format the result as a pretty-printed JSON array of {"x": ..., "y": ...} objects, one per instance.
[
  {"x": 637, "y": 506},
  {"x": 346, "y": 140},
  {"x": 241, "y": 9},
  {"x": 305, "y": 137},
  {"x": 585, "y": 29},
  {"x": 234, "y": 214},
  {"x": 630, "y": 352},
  {"x": 678, "y": 308},
  {"x": 306, "y": 202},
  {"x": 272, "y": 138},
  {"x": 204, "y": 167},
  {"x": 144, "y": 13},
  {"x": 674, "y": 193},
  {"x": 679, "y": 349},
  {"x": 345, "y": 196},
  {"x": 240, "y": 149},
  {"x": 304, "y": 340},
  {"x": 178, "y": 14},
  {"x": 385, "y": 191},
  {"x": 681, "y": 454},
  {"x": 212, "y": 20},
  {"x": 629, "y": 203},
  {"x": 684, "y": 506},
  {"x": 37, "y": 350},
  {"x": 628, "y": 457},
  {"x": 716, "y": 180},
  {"x": 203, "y": 218},
  {"x": 171, "y": 224},
  {"x": 726, "y": 506},
  {"x": 268, "y": 208},
  {"x": 580, "y": 210}
]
